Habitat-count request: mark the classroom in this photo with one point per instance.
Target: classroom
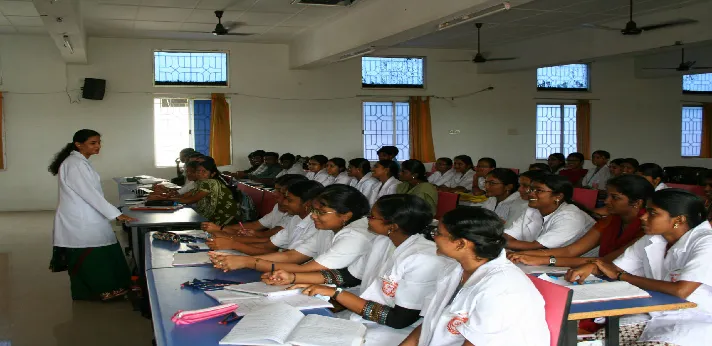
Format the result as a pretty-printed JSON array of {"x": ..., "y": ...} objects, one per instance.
[{"x": 497, "y": 151}]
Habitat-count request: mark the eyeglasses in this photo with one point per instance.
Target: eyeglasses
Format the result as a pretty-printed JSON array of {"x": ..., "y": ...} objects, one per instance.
[
  {"x": 318, "y": 212},
  {"x": 537, "y": 191}
]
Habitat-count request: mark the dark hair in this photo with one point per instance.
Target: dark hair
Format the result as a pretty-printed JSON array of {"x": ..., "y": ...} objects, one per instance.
[
  {"x": 80, "y": 136},
  {"x": 289, "y": 179},
  {"x": 603, "y": 153},
  {"x": 195, "y": 164},
  {"x": 579, "y": 156},
  {"x": 187, "y": 151},
  {"x": 704, "y": 176},
  {"x": 633, "y": 162},
  {"x": 411, "y": 213},
  {"x": 305, "y": 190},
  {"x": 361, "y": 164},
  {"x": 391, "y": 166},
  {"x": 478, "y": 225},
  {"x": 651, "y": 170},
  {"x": 416, "y": 168},
  {"x": 617, "y": 161},
  {"x": 466, "y": 159},
  {"x": 210, "y": 166},
  {"x": 532, "y": 175},
  {"x": 271, "y": 154},
  {"x": 559, "y": 156},
  {"x": 680, "y": 202},
  {"x": 490, "y": 161},
  {"x": 320, "y": 158},
  {"x": 339, "y": 162},
  {"x": 632, "y": 186},
  {"x": 389, "y": 149},
  {"x": 507, "y": 177},
  {"x": 344, "y": 199},
  {"x": 540, "y": 166},
  {"x": 558, "y": 185},
  {"x": 195, "y": 154},
  {"x": 257, "y": 153},
  {"x": 447, "y": 160},
  {"x": 287, "y": 156}
]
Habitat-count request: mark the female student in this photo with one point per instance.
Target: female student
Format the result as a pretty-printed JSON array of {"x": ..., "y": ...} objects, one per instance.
[
  {"x": 394, "y": 277},
  {"x": 563, "y": 223},
  {"x": 182, "y": 158},
  {"x": 482, "y": 298},
  {"x": 462, "y": 179},
  {"x": 596, "y": 178},
  {"x": 673, "y": 257},
  {"x": 540, "y": 167},
  {"x": 84, "y": 242},
  {"x": 625, "y": 203},
  {"x": 556, "y": 162},
  {"x": 484, "y": 166},
  {"x": 574, "y": 170},
  {"x": 386, "y": 171},
  {"x": 360, "y": 170},
  {"x": 317, "y": 169},
  {"x": 615, "y": 167},
  {"x": 287, "y": 162},
  {"x": 629, "y": 166},
  {"x": 443, "y": 172},
  {"x": 501, "y": 186},
  {"x": 414, "y": 182},
  {"x": 653, "y": 174},
  {"x": 336, "y": 168},
  {"x": 341, "y": 237},
  {"x": 188, "y": 174}
]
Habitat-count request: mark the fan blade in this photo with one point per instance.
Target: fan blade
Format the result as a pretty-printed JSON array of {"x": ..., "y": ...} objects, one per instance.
[
  {"x": 598, "y": 26},
  {"x": 660, "y": 68},
  {"x": 500, "y": 59},
  {"x": 677, "y": 22}
]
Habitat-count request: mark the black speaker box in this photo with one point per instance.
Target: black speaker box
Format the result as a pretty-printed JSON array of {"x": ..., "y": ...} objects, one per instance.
[{"x": 94, "y": 89}]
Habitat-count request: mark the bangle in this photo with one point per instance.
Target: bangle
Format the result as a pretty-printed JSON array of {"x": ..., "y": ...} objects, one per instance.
[
  {"x": 620, "y": 273},
  {"x": 294, "y": 279}
]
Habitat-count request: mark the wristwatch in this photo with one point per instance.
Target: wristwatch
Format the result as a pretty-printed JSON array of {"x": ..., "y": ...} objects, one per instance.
[
  {"x": 336, "y": 294},
  {"x": 552, "y": 261}
]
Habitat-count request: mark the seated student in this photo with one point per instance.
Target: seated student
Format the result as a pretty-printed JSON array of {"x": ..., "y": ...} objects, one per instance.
[
  {"x": 615, "y": 167},
  {"x": 556, "y": 162},
  {"x": 707, "y": 183},
  {"x": 563, "y": 222},
  {"x": 388, "y": 152},
  {"x": 415, "y": 183},
  {"x": 540, "y": 167},
  {"x": 596, "y": 178},
  {"x": 574, "y": 170},
  {"x": 673, "y": 258},
  {"x": 653, "y": 174},
  {"x": 336, "y": 168},
  {"x": 189, "y": 174},
  {"x": 182, "y": 158},
  {"x": 484, "y": 166},
  {"x": 462, "y": 179},
  {"x": 394, "y": 277},
  {"x": 386, "y": 172},
  {"x": 288, "y": 163},
  {"x": 339, "y": 239},
  {"x": 360, "y": 170},
  {"x": 629, "y": 166},
  {"x": 317, "y": 169},
  {"x": 269, "y": 168},
  {"x": 625, "y": 202},
  {"x": 482, "y": 298},
  {"x": 501, "y": 186},
  {"x": 443, "y": 172},
  {"x": 256, "y": 159}
]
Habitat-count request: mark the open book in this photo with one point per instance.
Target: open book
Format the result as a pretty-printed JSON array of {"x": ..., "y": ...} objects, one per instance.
[
  {"x": 263, "y": 289},
  {"x": 614, "y": 290},
  {"x": 281, "y": 324}
]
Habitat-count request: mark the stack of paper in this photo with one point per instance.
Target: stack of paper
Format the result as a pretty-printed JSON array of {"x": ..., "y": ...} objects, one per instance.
[
  {"x": 615, "y": 290},
  {"x": 184, "y": 259},
  {"x": 263, "y": 289}
]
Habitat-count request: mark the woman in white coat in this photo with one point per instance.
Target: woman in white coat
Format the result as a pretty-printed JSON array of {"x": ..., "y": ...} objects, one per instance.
[
  {"x": 501, "y": 186},
  {"x": 386, "y": 172},
  {"x": 360, "y": 170},
  {"x": 317, "y": 169},
  {"x": 462, "y": 180},
  {"x": 443, "y": 172},
  {"x": 674, "y": 258},
  {"x": 84, "y": 242},
  {"x": 481, "y": 299},
  {"x": 654, "y": 174},
  {"x": 336, "y": 168}
]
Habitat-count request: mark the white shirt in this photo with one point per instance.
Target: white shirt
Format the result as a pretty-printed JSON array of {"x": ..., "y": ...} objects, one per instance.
[
  {"x": 601, "y": 177},
  {"x": 561, "y": 228},
  {"x": 261, "y": 168},
  {"x": 189, "y": 186},
  {"x": 383, "y": 189},
  {"x": 687, "y": 260},
  {"x": 343, "y": 178},
  {"x": 509, "y": 210},
  {"x": 340, "y": 250},
  {"x": 366, "y": 185},
  {"x": 82, "y": 218},
  {"x": 320, "y": 177},
  {"x": 296, "y": 231},
  {"x": 463, "y": 180},
  {"x": 295, "y": 169},
  {"x": 439, "y": 178},
  {"x": 275, "y": 218},
  {"x": 497, "y": 306},
  {"x": 661, "y": 186},
  {"x": 481, "y": 183}
]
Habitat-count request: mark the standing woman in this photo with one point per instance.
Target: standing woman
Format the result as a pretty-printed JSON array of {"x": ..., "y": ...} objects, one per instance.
[
  {"x": 414, "y": 182},
  {"x": 386, "y": 171},
  {"x": 336, "y": 168},
  {"x": 84, "y": 243}
]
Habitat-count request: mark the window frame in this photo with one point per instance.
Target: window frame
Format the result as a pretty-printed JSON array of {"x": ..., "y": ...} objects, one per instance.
[
  {"x": 561, "y": 105},
  {"x": 402, "y": 86},
  {"x": 227, "y": 67},
  {"x": 588, "y": 80},
  {"x": 690, "y": 92},
  {"x": 393, "y": 101},
  {"x": 682, "y": 110}
]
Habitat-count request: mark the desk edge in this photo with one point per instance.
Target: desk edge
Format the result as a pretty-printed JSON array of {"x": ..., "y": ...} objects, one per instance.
[{"x": 630, "y": 311}]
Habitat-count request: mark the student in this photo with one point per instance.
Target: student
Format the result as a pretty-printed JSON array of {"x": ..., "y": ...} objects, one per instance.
[
  {"x": 386, "y": 172},
  {"x": 629, "y": 166},
  {"x": 673, "y": 258},
  {"x": 443, "y": 172},
  {"x": 625, "y": 203},
  {"x": 336, "y": 168},
  {"x": 574, "y": 170},
  {"x": 182, "y": 158},
  {"x": 653, "y": 174},
  {"x": 707, "y": 183},
  {"x": 563, "y": 223},
  {"x": 83, "y": 240},
  {"x": 341, "y": 237},
  {"x": 501, "y": 186},
  {"x": 269, "y": 168},
  {"x": 394, "y": 277},
  {"x": 414, "y": 182},
  {"x": 189, "y": 174},
  {"x": 556, "y": 162},
  {"x": 317, "y": 169},
  {"x": 596, "y": 178},
  {"x": 464, "y": 176},
  {"x": 540, "y": 167},
  {"x": 287, "y": 162},
  {"x": 484, "y": 166},
  {"x": 388, "y": 152},
  {"x": 482, "y": 298},
  {"x": 615, "y": 167},
  {"x": 360, "y": 170}
]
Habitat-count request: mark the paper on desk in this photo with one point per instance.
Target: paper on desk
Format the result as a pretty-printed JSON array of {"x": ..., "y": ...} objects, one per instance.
[
  {"x": 300, "y": 302},
  {"x": 227, "y": 296},
  {"x": 606, "y": 291},
  {"x": 542, "y": 269},
  {"x": 182, "y": 259},
  {"x": 553, "y": 278}
]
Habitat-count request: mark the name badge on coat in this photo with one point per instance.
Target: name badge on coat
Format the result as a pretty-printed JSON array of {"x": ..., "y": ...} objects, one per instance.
[{"x": 389, "y": 286}]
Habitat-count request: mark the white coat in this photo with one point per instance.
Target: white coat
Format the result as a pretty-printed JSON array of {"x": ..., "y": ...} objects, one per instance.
[
  {"x": 366, "y": 185},
  {"x": 296, "y": 231},
  {"x": 275, "y": 218},
  {"x": 295, "y": 169},
  {"x": 320, "y": 177},
  {"x": 509, "y": 210},
  {"x": 462, "y": 180},
  {"x": 383, "y": 189},
  {"x": 340, "y": 250},
  {"x": 439, "y": 179},
  {"x": 661, "y": 186},
  {"x": 600, "y": 178},
  {"x": 561, "y": 228},
  {"x": 83, "y": 215},
  {"x": 342, "y": 178}
]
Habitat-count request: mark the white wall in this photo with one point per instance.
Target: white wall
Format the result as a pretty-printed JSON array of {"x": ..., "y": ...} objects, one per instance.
[{"x": 639, "y": 118}]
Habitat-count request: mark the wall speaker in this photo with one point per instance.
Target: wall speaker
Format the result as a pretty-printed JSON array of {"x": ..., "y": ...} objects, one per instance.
[{"x": 94, "y": 89}]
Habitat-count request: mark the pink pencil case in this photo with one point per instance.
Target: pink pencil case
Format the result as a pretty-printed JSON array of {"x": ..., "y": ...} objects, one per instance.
[{"x": 195, "y": 316}]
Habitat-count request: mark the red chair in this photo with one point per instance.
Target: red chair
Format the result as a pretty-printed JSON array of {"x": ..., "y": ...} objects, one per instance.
[
  {"x": 254, "y": 193},
  {"x": 446, "y": 201},
  {"x": 698, "y": 190},
  {"x": 586, "y": 197},
  {"x": 268, "y": 202},
  {"x": 515, "y": 170},
  {"x": 557, "y": 302}
]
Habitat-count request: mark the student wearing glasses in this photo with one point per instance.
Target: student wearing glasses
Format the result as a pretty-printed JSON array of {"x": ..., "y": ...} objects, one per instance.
[
  {"x": 484, "y": 166},
  {"x": 317, "y": 169},
  {"x": 574, "y": 169},
  {"x": 501, "y": 186}
]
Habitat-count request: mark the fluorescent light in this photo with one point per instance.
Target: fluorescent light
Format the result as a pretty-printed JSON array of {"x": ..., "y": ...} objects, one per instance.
[
  {"x": 472, "y": 17},
  {"x": 357, "y": 53},
  {"x": 68, "y": 44}
]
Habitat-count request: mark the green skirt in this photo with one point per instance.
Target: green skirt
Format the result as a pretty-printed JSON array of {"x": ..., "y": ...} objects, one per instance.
[{"x": 95, "y": 273}]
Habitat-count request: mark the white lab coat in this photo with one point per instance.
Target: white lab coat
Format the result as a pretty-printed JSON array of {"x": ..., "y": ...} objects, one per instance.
[
  {"x": 275, "y": 218},
  {"x": 687, "y": 260},
  {"x": 83, "y": 215},
  {"x": 462, "y": 180},
  {"x": 366, "y": 185},
  {"x": 342, "y": 178},
  {"x": 661, "y": 186},
  {"x": 320, "y": 177},
  {"x": 563, "y": 227},
  {"x": 340, "y": 250},
  {"x": 296, "y": 231},
  {"x": 601, "y": 177},
  {"x": 383, "y": 189},
  {"x": 481, "y": 183},
  {"x": 497, "y": 306},
  {"x": 189, "y": 186},
  {"x": 509, "y": 210},
  {"x": 438, "y": 178},
  {"x": 295, "y": 169}
]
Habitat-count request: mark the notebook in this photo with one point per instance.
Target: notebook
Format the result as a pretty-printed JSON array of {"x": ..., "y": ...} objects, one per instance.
[
  {"x": 185, "y": 259},
  {"x": 558, "y": 279},
  {"x": 542, "y": 269},
  {"x": 614, "y": 290},
  {"x": 281, "y": 324},
  {"x": 263, "y": 289}
]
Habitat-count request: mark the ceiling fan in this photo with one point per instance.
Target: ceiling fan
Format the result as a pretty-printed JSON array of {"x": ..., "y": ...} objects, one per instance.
[
  {"x": 221, "y": 30},
  {"x": 632, "y": 28},
  {"x": 683, "y": 67},
  {"x": 479, "y": 58}
]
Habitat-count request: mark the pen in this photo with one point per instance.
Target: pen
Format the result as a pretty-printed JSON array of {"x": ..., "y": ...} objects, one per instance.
[{"x": 241, "y": 226}]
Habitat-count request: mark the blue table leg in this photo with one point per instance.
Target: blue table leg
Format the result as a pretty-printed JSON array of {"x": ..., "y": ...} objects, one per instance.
[
  {"x": 612, "y": 329},
  {"x": 570, "y": 333}
]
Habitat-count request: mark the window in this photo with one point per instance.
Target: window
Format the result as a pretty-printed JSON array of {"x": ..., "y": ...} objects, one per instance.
[
  {"x": 555, "y": 130},
  {"x": 697, "y": 83},
  {"x": 180, "y": 123},
  {"x": 394, "y": 73},
  {"x": 190, "y": 68},
  {"x": 691, "y": 131},
  {"x": 386, "y": 123},
  {"x": 572, "y": 77}
]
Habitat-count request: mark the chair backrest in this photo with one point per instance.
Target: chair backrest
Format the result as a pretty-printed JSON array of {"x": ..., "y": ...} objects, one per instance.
[
  {"x": 254, "y": 193},
  {"x": 446, "y": 201},
  {"x": 515, "y": 170},
  {"x": 268, "y": 202},
  {"x": 586, "y": 197},
  {"x": 698, "y": 190},
  {"x": 557, "y": 302}
]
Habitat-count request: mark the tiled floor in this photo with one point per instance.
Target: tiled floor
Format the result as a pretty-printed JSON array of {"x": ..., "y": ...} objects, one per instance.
[{"x": 35, "y": 306}]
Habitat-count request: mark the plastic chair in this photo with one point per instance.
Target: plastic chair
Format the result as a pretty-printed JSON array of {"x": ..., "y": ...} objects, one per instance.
[
  {"x": 698, "y": 190},
  {"x": 557, "y": 302},
  {"x": 446, "y": 201},
  {"x": 586, "y": 197},
  {"x": 268, "y": 202}
]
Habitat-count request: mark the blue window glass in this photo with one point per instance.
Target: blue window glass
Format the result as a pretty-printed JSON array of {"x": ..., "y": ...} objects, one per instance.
[
  {"x": 691, "y": 131},
  {"x": 190, "y": 68},
  {"x": 564, "y": 77},
  {"x": 201, "y": 125},
  {"x": 384, "y": 72},
  {"x": 697, "y": 83}
]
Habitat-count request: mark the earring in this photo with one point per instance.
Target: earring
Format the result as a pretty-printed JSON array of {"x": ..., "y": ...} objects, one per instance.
[
  {"x": 557, "y": 202},
  {"x": 676, "y": 225},
  {"x": 389, "y": 231},
  {"x": 343, "y": 223}
]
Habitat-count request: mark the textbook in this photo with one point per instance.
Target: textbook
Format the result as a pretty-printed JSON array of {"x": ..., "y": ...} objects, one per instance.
[
  {"x": 263, "y": 289},
  {"x": 249, "y": 303}
]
